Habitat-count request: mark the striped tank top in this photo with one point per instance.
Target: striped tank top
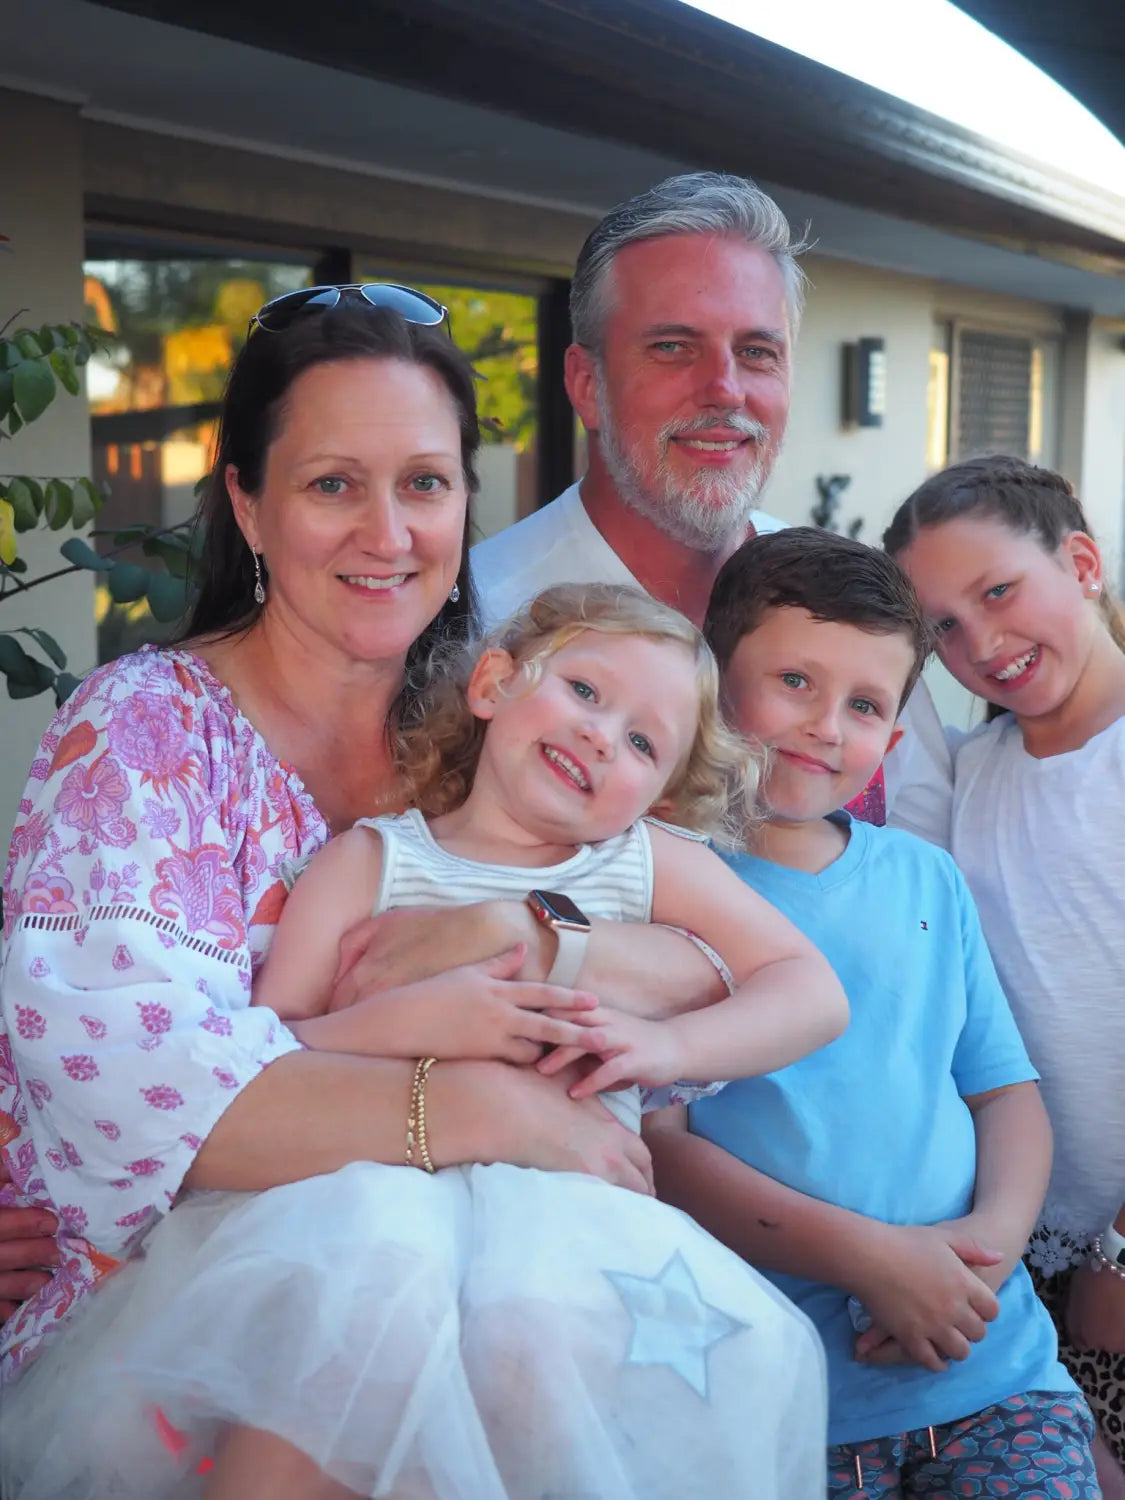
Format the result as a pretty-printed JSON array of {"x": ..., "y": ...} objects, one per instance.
[{"x": 612, "y": 879}]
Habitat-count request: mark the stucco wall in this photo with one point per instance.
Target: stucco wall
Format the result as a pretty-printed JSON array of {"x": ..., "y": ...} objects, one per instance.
[
  {"x": 41, "y": 212},
  {"x": 847, "y": 302}
]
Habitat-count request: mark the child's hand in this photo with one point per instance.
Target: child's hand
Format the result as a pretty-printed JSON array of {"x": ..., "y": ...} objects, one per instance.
[
  {"x": 886, "y": 1351},
  {"x": 924, "y": 1297},
  {"x": 482, "y": 1011},
  {"x": 477, "y": 1011},
  {"x": 632, "y": 1049}
]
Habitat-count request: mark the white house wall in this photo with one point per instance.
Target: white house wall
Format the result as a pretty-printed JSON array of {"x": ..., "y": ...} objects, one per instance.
[{"x": 41, "y": 212}]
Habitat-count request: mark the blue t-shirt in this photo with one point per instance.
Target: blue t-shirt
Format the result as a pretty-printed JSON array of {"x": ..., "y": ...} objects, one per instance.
[{"x": 876, "y": 1121}]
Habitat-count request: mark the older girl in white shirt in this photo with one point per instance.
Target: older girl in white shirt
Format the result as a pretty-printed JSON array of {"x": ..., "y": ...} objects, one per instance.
[{"x": 1005, "y": 566}]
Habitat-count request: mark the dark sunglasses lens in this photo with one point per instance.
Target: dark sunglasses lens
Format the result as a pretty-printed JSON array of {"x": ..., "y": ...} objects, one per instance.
[
  {"x": 415, "y": 307},
  {"x": 282, "y": 310}
]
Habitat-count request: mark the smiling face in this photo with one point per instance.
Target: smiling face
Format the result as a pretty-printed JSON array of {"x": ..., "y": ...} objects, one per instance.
[
  {"x": 361, "y": 512},
  {"x": 1015, "y": 624},
  {"x": 586, "y": 749},
  {"x": 824, "y": 697},
  {"x": 689, "y": 396}
]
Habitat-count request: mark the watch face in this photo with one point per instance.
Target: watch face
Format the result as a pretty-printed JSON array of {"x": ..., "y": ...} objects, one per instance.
[{"x": 559, "y": 908}]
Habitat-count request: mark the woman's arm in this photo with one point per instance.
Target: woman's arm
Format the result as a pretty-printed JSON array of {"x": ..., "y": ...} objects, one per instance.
[
  {"x": 313, "y": 1112},
  {"x": 1095, "y": 1308},
  {"x": 637, "y": 968}
]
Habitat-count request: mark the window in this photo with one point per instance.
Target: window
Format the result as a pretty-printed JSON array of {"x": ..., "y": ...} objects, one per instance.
[
  {"x": 180, "y": 318},
  {"x": 991, "y": 392}
]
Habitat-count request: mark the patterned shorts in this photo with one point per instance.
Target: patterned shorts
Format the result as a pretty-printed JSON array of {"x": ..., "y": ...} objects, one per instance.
[
  {"x": 1036, "y": 1446},
  {"x": 1099, "y": 1374}
]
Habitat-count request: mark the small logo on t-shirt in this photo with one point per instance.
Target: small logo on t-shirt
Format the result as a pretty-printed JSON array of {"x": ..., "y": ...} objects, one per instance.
[{"x": 925, "y": 927}]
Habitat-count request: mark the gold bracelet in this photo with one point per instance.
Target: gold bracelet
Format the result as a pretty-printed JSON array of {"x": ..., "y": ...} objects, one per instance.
[{"x": 416, "y": 1140}]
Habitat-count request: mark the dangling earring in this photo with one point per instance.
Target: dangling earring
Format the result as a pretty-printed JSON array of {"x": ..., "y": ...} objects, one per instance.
[
  {"x": 454, "y": 594},
  {"x": 259, "y": 587}
]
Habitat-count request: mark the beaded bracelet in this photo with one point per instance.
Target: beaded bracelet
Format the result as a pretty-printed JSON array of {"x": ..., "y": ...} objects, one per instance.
[
  {"x": 416, "y": 1118},
  {"x": 1104, "y": 1260}
]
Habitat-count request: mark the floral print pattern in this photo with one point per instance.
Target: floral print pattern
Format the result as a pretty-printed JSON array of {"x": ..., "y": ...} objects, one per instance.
[{"x": 142, "y": 887}]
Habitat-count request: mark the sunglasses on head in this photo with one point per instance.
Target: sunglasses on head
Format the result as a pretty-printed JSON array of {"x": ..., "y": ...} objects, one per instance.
[{"x": 414, "y": 307}]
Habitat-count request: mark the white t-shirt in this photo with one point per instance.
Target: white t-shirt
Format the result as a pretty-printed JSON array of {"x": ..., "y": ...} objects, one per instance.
[
  {"x": 560, "y": 544},
  {"x": 556, "y": 544},
  {"x": 1042, "y": 846}
]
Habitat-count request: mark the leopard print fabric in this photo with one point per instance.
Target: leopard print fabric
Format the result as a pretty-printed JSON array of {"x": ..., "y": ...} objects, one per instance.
[{"x": 1100, "y": 1375}]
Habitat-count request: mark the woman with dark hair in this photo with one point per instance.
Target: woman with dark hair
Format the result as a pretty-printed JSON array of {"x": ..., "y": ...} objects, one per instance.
[{"x": 172, "y": 795}]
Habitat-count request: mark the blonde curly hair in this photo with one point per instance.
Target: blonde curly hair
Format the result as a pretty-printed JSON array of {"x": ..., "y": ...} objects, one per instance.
[{"x": 713, "y": 791}]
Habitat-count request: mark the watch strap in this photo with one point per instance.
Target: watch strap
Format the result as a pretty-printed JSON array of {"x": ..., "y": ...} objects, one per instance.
[{"x": 570, "y": 955}]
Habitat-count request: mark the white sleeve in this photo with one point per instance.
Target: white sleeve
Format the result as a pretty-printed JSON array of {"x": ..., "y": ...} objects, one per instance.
[{"x": 918, "y": 773}]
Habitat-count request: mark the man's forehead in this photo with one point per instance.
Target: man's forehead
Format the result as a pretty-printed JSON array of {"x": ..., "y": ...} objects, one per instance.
[{"x": 686, "y": 279}]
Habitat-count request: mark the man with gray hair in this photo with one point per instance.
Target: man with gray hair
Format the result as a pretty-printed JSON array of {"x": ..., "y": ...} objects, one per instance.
[{"x": 685, "y": 305}]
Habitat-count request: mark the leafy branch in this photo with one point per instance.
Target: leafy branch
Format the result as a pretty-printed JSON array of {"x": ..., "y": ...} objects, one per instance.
[{"x": 34, "y": 365}]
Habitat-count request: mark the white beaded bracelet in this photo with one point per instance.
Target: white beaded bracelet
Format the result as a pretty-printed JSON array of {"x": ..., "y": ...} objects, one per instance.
[{"x": 1111, "y": 1263}]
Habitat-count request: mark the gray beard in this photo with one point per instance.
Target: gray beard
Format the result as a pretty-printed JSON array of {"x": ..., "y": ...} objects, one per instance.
[{"x": 711, "y": 509}]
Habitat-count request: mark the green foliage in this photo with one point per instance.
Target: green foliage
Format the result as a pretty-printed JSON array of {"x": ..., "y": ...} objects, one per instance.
[
  {"x": 34, "y": 365},
  {"x": 497, "y": 330}
]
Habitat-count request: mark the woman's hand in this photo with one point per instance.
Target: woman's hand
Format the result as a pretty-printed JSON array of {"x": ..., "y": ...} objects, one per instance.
[
  {"x": 28, "y": 1252},
  {"x": 411, "y": 943},
  {"x": 522, "y": 1118}
]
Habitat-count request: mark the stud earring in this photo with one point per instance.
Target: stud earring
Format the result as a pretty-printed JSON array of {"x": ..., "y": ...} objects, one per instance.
[
  {"x": 259, "y": 587},
  {"x": 454, "y": 594},
  {"x": 1095, "y": 588}
]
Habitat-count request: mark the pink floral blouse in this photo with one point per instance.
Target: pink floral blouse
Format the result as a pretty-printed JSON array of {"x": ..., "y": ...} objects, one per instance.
[{"x": 144, "y": 882}]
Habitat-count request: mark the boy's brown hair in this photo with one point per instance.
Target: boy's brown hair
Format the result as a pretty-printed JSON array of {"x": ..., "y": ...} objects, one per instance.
[{"x": 833, "y": 577}]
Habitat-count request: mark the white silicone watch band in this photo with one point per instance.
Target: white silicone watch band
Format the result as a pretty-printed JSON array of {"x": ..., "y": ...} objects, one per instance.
[{"x": 568, "y": 960}]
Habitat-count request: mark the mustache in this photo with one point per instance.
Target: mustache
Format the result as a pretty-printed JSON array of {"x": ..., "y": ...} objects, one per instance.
[{"x": 733, "y": 422}]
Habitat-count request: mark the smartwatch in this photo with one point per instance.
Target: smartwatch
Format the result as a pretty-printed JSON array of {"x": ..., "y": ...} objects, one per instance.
[{"x": 571, "y": 926}]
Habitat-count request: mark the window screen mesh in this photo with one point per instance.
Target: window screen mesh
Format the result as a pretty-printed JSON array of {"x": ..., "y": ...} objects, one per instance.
[{"x": 994, "y": 405}]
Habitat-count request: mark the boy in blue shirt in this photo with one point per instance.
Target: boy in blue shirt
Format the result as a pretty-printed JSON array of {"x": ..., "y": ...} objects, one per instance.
[{"x": 887, "y": 1184}]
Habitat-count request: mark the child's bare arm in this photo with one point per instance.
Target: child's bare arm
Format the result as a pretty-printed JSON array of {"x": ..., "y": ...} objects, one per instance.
[
  {"x": 913, "y": 1280},
  {"x": 475, "y": 1011},
  {"x": 633, "y": 966},
  {"x": 787, "y": 1001},
  {"x": 1014, "y": 1149},
  {"x": 333, "y": 893}
]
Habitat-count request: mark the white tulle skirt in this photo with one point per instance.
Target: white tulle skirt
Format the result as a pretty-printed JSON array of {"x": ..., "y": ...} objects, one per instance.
[{"x": 488, "y": 1333}]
